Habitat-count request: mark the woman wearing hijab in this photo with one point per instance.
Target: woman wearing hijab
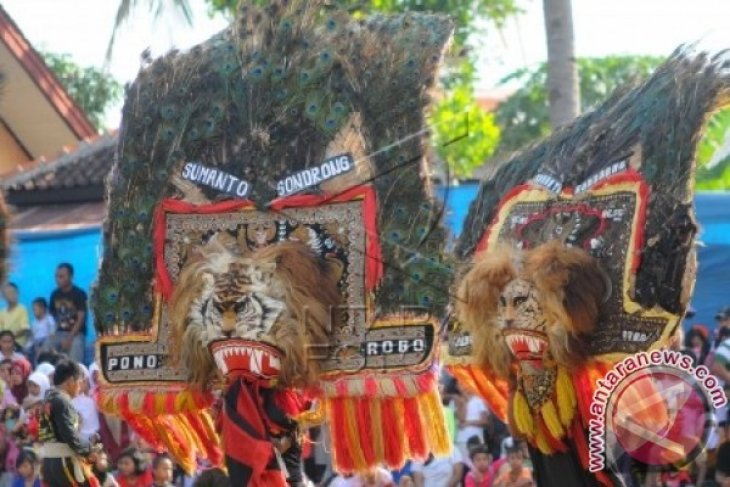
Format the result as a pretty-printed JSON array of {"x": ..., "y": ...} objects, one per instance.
[
  {"x": 19, "y": 372},
  {"x": 86, "y": 407}
]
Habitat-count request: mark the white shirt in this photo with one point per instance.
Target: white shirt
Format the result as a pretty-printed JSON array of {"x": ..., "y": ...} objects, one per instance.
[
  {"x": 44, "y": 327},
  {"x": 86, "y": 408},
  {"x": 384, "y": 479},
  {"x": 438, "y": 472},
  {"x": 474, "y": 409}
]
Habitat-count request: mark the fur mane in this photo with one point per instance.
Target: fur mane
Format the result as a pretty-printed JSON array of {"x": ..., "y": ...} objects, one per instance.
[
  {"x": 305, "y": 283},
  {"x": 571, "y": 288}
]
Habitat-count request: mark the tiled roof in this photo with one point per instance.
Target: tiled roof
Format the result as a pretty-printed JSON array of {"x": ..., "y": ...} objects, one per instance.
[{"x": 76, "y": 176}]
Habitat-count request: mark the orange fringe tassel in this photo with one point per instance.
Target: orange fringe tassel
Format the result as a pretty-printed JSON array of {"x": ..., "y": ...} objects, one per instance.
[{"x": 390, "y": 419}]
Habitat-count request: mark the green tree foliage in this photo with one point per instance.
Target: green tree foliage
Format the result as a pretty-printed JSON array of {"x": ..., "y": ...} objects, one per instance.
[
  {"x": 716, "y": 135},
  {"x": 92, "y": 89},
  {"x": 524, "y": 117},
  {"x": 465, "y": 135}
]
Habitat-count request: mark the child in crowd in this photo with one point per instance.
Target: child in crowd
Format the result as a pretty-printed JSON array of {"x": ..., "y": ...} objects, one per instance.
[
  {"x": 27, "y": 470},
  {"x": 101, "y": 471},
  {"x": 43, "y": 327},
  {"x": 162, "y": 471},
  {"x": 480, "y": 475},
  {"x": 378, "y": 477},
  {"x": 132, "y": 469},
  {"x": 213, "y": 477},
  {"x": 517, "y": 475}
]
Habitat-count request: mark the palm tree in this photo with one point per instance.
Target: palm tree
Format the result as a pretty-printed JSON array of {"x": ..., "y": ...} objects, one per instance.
[
  {"x": 562, "y": 76},
  {"x": 157, "y": 7}
]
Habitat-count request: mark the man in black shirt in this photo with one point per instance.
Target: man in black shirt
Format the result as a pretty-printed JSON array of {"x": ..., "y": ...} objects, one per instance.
[{"x": 68, "y": 308}]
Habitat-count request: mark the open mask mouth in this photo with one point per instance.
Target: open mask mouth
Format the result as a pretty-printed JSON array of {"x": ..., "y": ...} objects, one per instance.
[
  {"x": 235, "y": 356},
  {"x": 526, "y": 344}
]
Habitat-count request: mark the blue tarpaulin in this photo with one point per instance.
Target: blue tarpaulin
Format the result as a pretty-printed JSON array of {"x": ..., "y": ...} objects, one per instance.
[{"x": 35, "y": 256}]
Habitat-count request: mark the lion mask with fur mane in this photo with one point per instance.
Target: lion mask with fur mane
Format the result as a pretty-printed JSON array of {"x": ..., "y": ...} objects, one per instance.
[{"x": 540, "y": 304}]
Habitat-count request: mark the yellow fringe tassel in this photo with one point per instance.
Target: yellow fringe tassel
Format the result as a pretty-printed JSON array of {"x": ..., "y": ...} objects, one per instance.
[
  {"x": 542, "y": 444},
  {"x": 311, "y": 417},
  {"x": 432, "y": 417},
  {"x": 552, "y": 420},
  {"x": 522, "y": 415},
  {"x": 376, "y": 417},
  {"x": 566, "y": 396}
]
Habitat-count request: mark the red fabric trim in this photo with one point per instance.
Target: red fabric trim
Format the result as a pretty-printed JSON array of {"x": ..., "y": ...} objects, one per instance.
[
  {"x": 365, "y": 427},
  {"x": 373, "y": 256},
  {"x": 417, "y": 442},
  {"x": 291, "y": 402},
  {"x": 343, "y": 459}
]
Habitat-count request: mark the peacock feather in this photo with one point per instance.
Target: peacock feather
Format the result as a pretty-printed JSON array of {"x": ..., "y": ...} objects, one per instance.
[{"x": 263, "y": 99}]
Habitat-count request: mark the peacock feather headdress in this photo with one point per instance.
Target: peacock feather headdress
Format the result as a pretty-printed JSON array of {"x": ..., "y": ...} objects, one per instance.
[{"x": 297, "y": 123}]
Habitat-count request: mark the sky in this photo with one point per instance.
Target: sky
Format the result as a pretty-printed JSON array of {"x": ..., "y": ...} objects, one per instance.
[{"x": 82, "y": 29}]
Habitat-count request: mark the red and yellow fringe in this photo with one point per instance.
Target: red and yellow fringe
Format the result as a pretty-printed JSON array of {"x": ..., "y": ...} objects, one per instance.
[
  {"x": 385, "y": 419},
  {"x": 176, "y": 420},
  {"x": 484, "y": 383}
]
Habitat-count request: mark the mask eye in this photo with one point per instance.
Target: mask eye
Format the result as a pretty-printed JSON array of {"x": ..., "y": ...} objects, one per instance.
[
  {"x": 520, "y": 300},
  {"x": 240, "y": 305},
  {"x": 502, "y": 301},
  {"x": 219, "y": 306}
]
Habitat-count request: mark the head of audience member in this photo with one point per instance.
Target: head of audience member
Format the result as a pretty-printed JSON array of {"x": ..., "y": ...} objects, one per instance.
[
  {"x": 5, "y": 366},
  {"x": 473, "y": 441},
  {"x": 131, "y": 463},
  {"x": 64, "y": 276},
  {"x": 515, "y": 456},
  {"x": 213, "y": 477},
  {"x": 722, "y": 334},
  {"x": 10, "y": 293},
  {"x": 94, "y": 375},
  {"x": 50, "y": 357},
  {"x": 101, "y": 467},
  {"x": 67, "y": 377},
  {"x": 40, "y": 308},
  {"x": 27, "y": 464},
  {"x": 480, "y": 458},
  {"x": 19, "y": 372},
  {"x": 697, "y": 339},
  {"x": 723, "y": 317},
  {"x": 162, "y": 469},
  {"x": 38, "y": 384},
  {"x": 7, "y": 342},
  {"x": 85, "y": 379}
]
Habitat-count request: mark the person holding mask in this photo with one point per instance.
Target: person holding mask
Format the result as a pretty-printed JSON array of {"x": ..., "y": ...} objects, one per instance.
[
  {"x": 68, "y": 308},
  {"x": 67, "y": 458}
]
